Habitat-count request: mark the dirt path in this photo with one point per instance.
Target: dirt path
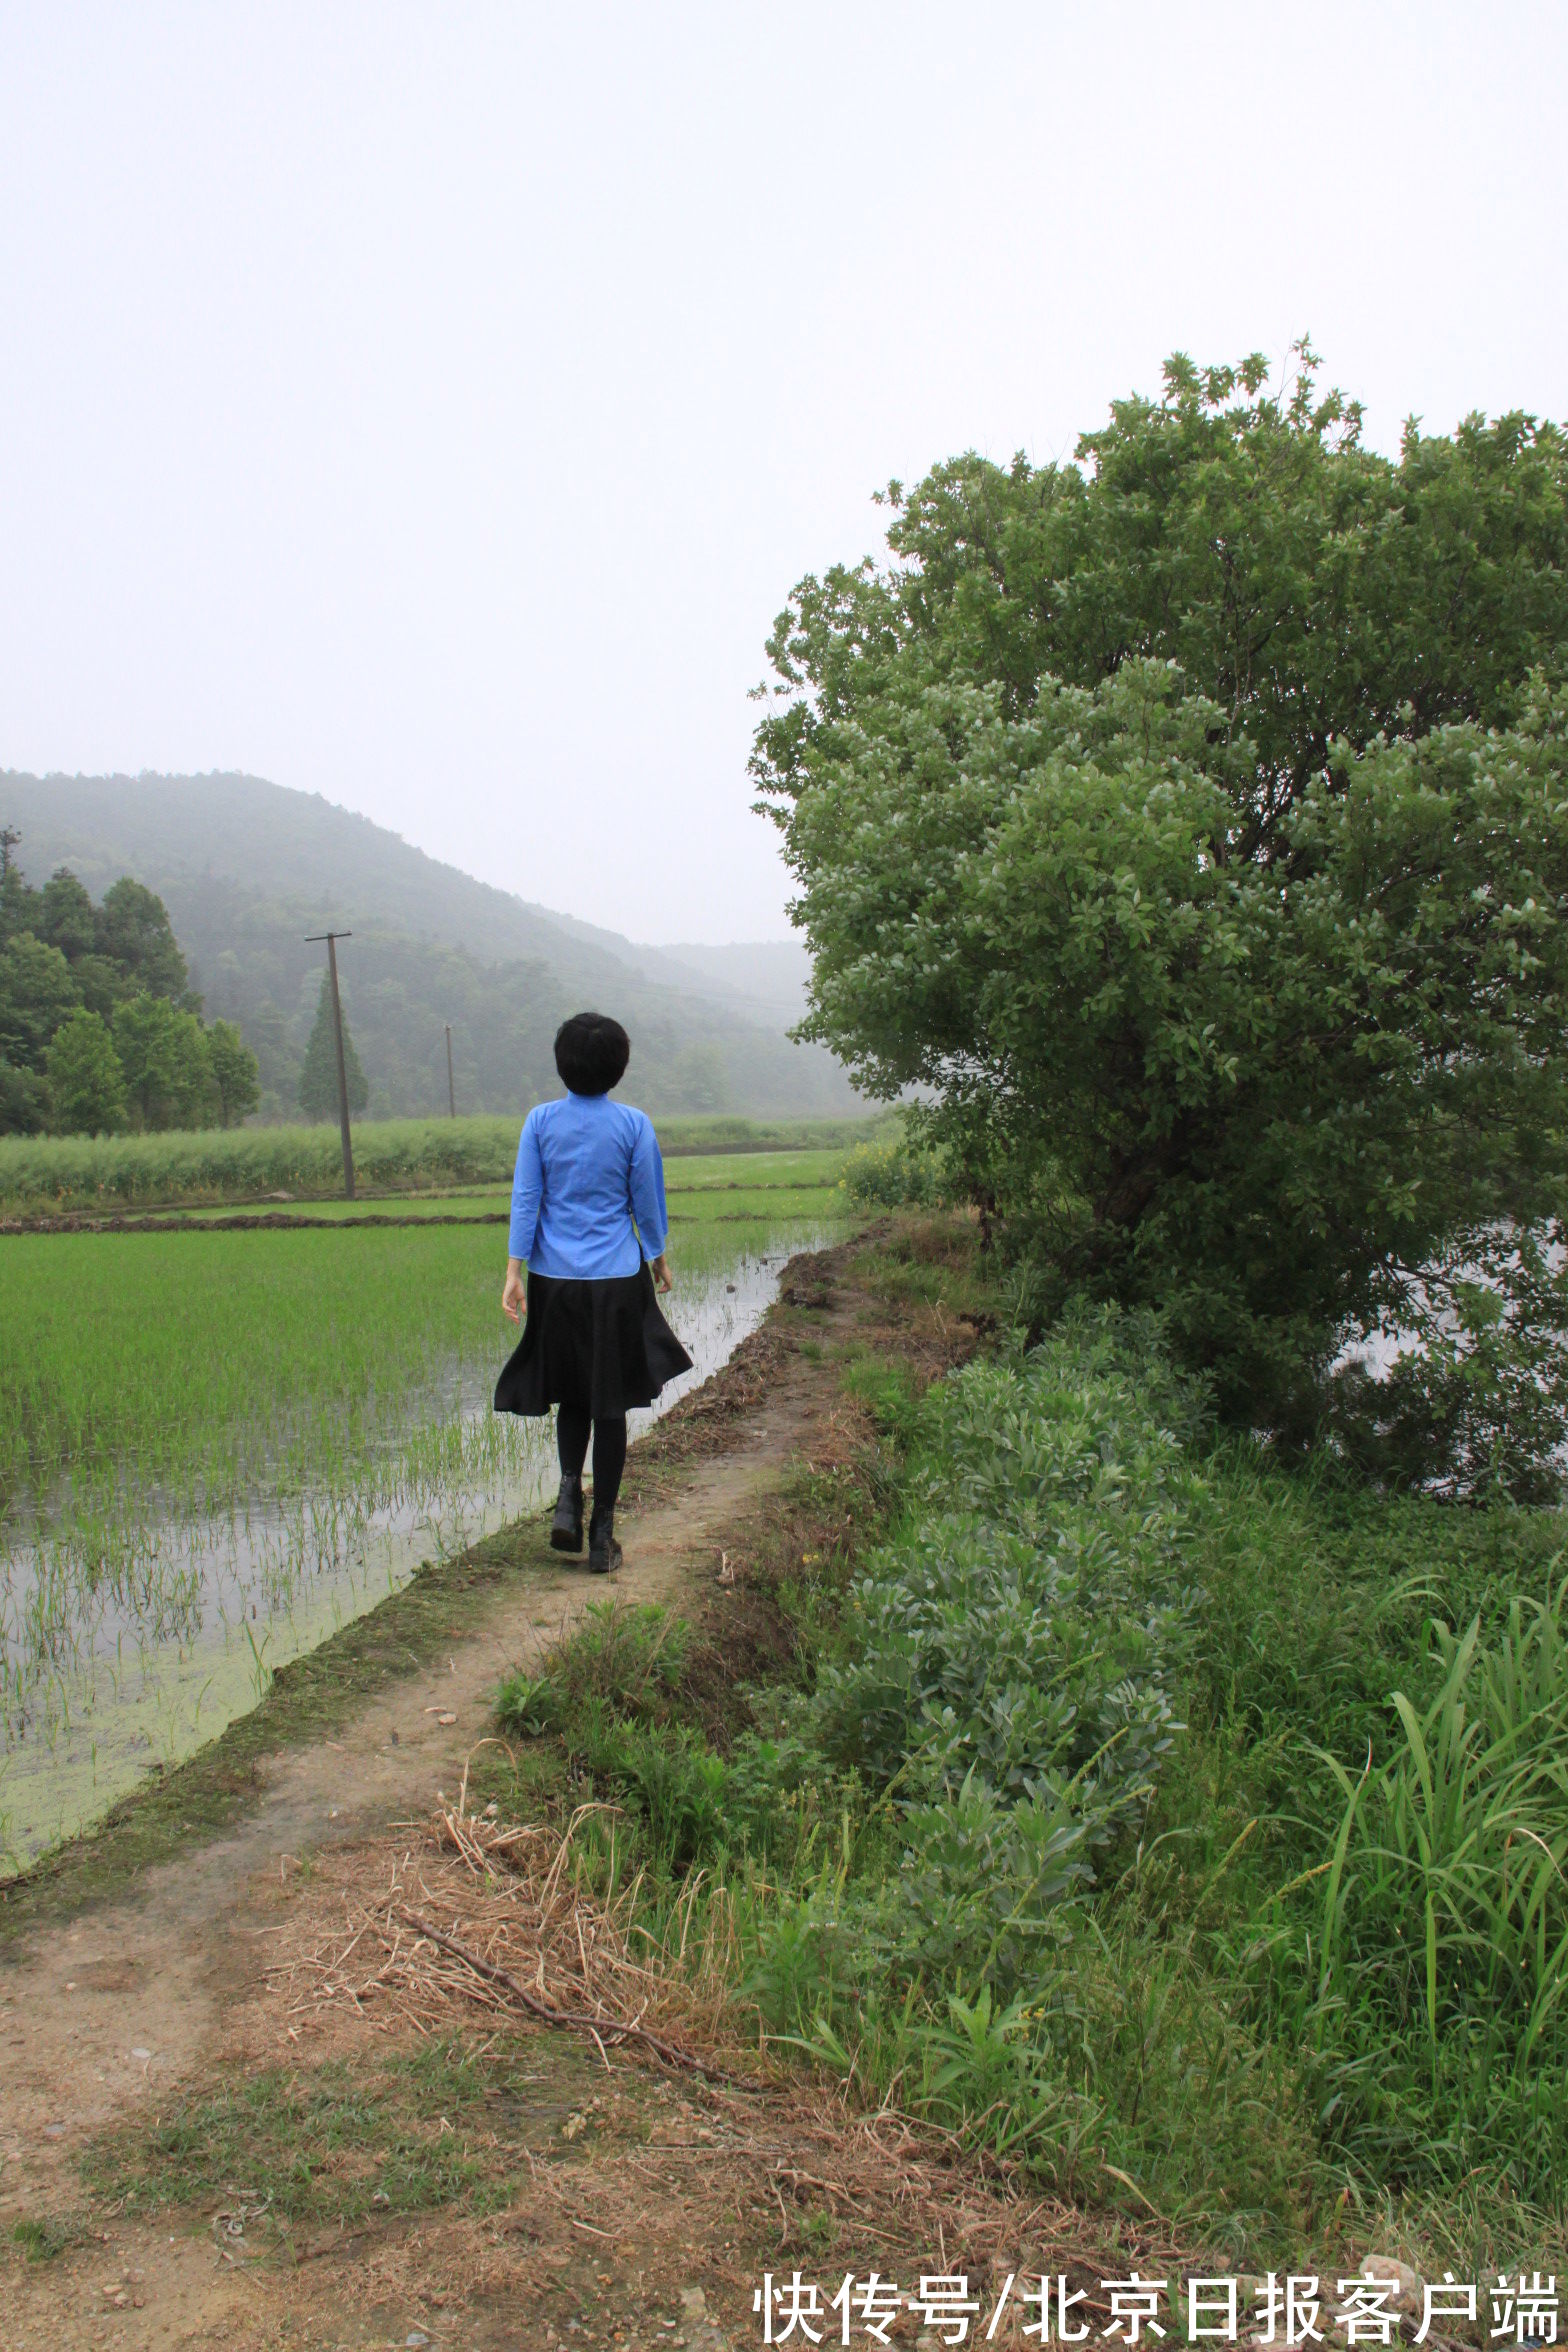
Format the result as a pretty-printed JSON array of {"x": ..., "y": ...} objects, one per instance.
[
  {"x": 153, "y": 1974},
  {"x": 107, "y": 2014}
]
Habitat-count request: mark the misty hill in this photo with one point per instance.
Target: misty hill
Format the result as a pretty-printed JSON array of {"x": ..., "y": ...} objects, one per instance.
[
  {"x": 771, "y": 974},
  {"x": 765, "y": 978},
  {"x": 246, "y": 868}
]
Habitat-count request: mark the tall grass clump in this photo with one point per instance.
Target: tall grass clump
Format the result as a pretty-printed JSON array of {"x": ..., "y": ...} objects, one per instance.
[{"x": 1421, "y": 1973}]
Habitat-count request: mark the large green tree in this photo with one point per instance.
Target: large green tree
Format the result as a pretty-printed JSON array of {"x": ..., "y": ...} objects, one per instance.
[
  {"x": 86, "y": 1082},
  {"x": 1190, "y": 822},
  {"x": 235, "y": 1070},
  {"x": 134, "y": 932},
  {"x": 318, "y": 1080},
  {"x": 37, "y": 991},
  {"x": 67, "y": 918},
  {"x": 24, "y": 1100},
  {"x": 163, "y": 1051},
  {"x": 63, "y": 914}
]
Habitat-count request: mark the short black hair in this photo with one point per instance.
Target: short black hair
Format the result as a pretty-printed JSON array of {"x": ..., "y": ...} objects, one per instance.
[{"x": 591, "y": 1053}]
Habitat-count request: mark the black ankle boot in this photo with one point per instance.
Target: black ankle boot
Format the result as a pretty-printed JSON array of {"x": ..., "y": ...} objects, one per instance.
[
  {"x": 604, "y": 1553},
  {"x": 566, "y": 1528}
]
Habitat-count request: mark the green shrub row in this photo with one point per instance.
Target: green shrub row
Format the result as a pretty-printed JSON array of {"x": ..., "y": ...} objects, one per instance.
[{"x": 119, "y": 1171}]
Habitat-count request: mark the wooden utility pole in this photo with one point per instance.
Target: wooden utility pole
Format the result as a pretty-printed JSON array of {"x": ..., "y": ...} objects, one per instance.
[
  {"x": 314, "y": 939},
  {"x": 451, "y": 1090}
]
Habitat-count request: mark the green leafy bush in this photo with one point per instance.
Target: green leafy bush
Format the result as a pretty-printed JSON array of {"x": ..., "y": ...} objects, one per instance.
[
  {"x": 1028, "y": 1622},
  {"x": 894, "y": 1172},
  {"x": 1000, "y": 1695}
]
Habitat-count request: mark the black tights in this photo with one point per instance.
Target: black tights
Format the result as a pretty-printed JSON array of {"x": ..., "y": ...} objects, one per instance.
[{"x": 609, "y": 1450}]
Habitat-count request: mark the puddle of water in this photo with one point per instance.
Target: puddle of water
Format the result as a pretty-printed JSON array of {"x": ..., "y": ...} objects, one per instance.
[{"x": 157, "y": 1664}]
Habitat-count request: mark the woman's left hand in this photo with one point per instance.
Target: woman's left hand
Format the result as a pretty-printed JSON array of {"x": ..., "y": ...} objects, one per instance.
[
  {"x": 659, "y": 1267},
  {"x": 514, "y": 1292}
]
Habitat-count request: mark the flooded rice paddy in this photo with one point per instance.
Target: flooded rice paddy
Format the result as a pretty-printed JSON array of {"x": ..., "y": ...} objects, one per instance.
[{"x": 217, "y": 1448}]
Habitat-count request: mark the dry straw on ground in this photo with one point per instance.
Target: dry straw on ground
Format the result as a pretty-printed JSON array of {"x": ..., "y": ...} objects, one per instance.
[
  {"x": 478, "y": 1919},
  {"x": 475, "y": 1914}
]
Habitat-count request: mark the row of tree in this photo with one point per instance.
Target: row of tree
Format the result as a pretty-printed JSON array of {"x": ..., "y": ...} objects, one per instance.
[{"x": 99, "y": 1030}]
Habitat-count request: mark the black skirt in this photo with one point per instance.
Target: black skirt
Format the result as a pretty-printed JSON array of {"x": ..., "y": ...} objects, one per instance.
[{"x": 603, "y": 1346}]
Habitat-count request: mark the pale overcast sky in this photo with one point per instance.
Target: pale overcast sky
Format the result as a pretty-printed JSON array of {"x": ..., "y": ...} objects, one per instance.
[{"x": 431, "y": 406}]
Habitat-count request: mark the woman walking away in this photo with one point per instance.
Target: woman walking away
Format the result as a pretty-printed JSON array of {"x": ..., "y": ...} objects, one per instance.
[{"x": 589, "y": 1224}]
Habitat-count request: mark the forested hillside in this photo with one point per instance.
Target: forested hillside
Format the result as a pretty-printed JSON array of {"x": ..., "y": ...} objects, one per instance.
[{"x": 247, "y": 869}]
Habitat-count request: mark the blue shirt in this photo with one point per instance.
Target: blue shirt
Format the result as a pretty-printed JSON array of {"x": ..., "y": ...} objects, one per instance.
[{"x": 586, "y": 1167}]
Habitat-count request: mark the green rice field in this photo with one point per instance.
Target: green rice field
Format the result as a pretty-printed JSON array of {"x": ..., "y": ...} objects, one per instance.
[{"x": 216, "y": 1445}]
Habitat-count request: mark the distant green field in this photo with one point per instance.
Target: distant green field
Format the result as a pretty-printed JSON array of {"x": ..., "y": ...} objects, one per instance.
[
  {"x": 725, "y": 1186},
  {"x": 113, "y": 1173}
]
